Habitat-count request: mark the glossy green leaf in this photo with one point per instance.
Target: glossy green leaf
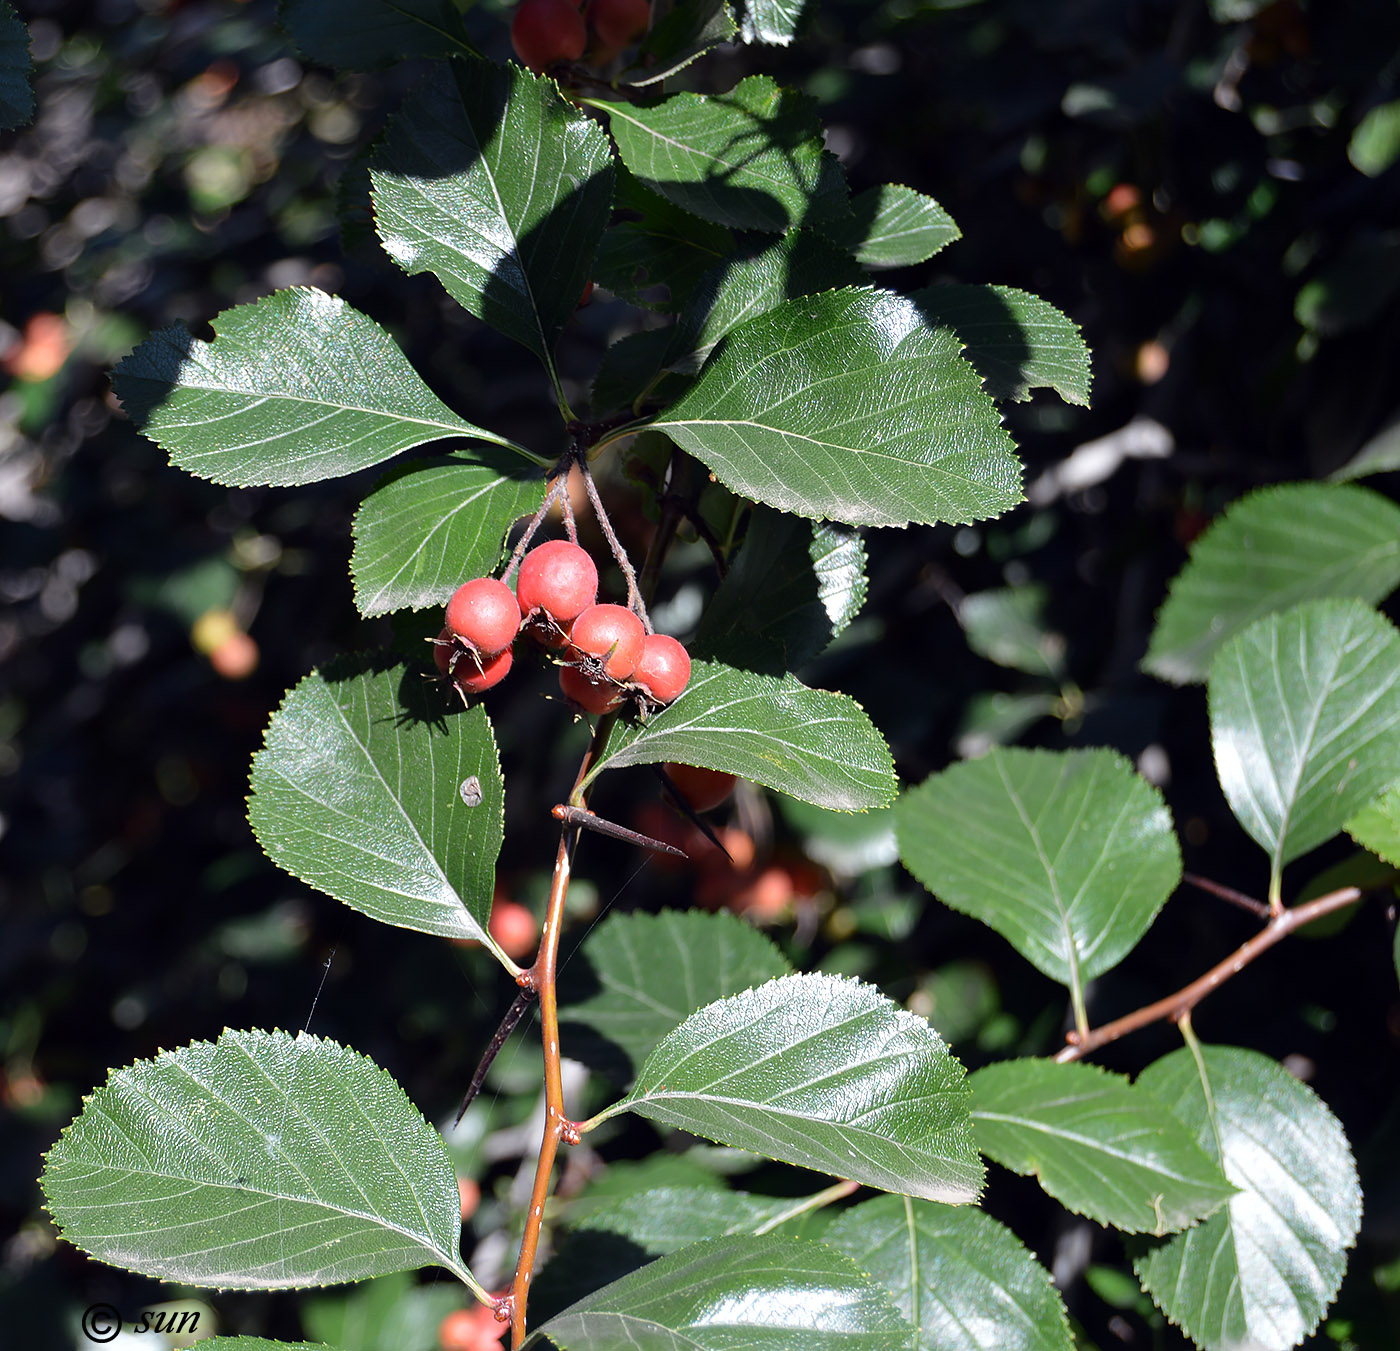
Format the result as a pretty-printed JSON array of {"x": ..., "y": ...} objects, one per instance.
[
  {"x": 1017, "y": 341},
  {"x": 365, "y": 34},
  {"x": 492, "y": 181},
  {"x": 1261, "y": 1271},
  {"x": 810, "y": 744},
  {"x": 1379, "y": 455},
  {"x": 259, "y": 1161},
  {"x": 636, "y": 977},
  {"x": 295, "y": 388},
  {"x": 666, "y": 1219},
  {"x": 751, "y": 159},
  {"x": 433, "y": 524},
  {"x": 687, "y": 32},
  {"x": 849, "y": 406},
  {"x": 632, "y": 368},
  {"x": 792, "y": 587},
  {"x": 1377, "y": 826},
  {"x": 964, "y": 1281},
  {"x": 1099, "y": 1145},
  {"x": 773, "y": 22},
  {"x": 371, "y": 788},
  {"x": 1007, "y": 626},
  {"x": 799, "y": 264},
  {"x": 892, "y": 226},
  {"x": 1067, "y": 855},
  {"x": 1305, "y": 722},
  {"x": 389, "y": 1313},
  {"x": 258, "y": 1344},
  {"x": 1269, "y": 551},
  {"x": 16, "y": 70},
  {"x": 761, "y": 1294},
  {"x": 656, "y": 253},
  {"x": 822, "y": 1072}
]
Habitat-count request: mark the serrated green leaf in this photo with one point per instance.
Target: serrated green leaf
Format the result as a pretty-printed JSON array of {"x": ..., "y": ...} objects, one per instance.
[
  {"x": 1007, "y": 626},
  {"x": 1269, "y": 551},
  {"x": 1305, "y": 723},
  {"x": 849, "y": 406},
  {"x": 16, "y": 70},
  {"x": 358, "y": 791},
  {"x": 1379, "y": 455},
  {"x": 1067, "y": 855},
  {"x": 1261, "y": 1271},
  {"x": 892, "y": 226},
  {"x": 1099, "y": 1145},
  {"x": 492, "y": 181},
  {"x": 799, "y": 264},
  {"x": 810, "y": 744},
  {"x": 1377, "y": 826},
  {"x": 258, "y": 1344},
  {"x": 965, "y": 1281},
  {"x": 638, "y": 976},
  {"x": 821, "y": 1072},
  {"x": 792, "y": 587},
  {"x": 1017, "y": 341},
  {"x": 687, "y": 32},
  {"x": 763, "y": 1294},
  {"x": 260, "y": 1161},
  {"x": 433, "y": 524},
  {"x": 389, "y": 1313},
  {"x": 295, "y": 388},
  {"x": 366, "y": 34},
  {"x": 751, "y": 159},
  {"x": 655, "y": 253},
  {"x": 666, "y": 1219},
  {"x": 773, "y": 22},
  {"x": 632, "y": 368}
]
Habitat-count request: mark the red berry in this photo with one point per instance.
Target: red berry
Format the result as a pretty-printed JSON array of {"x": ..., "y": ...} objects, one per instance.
[
  {"x": 663, "y": 669},
  {"x": 593, "y": 696},
  {"x": 470, "y": 1193},
  {"x": 559, "y": 579},
  {"x": 544, "y": 32},
  {"x": 513, "y": 927},
  {"x": 618, "y": 22},
  {"x": 475, "y": 675},
  {"x": 484, "y": 614},
  {"x": 613, "y": 634},
  {"x": 701, "y": 788}
]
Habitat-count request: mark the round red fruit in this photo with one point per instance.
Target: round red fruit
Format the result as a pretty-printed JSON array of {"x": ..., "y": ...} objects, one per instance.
[
  {"x": 559, "y": 579},
  {"x": 663, "y": 669},
  {"x": 473, "y": 678},
  {"x": 619, "y": 22},
  {"x": 484, "y": 614},
  {"x": 514, "y": 927},
  {"x": 613, "y": 634},
  {"x": 593, "y": 696},
  {"x": 701, "y": 788},
  {"x": 544, "y": 32}
]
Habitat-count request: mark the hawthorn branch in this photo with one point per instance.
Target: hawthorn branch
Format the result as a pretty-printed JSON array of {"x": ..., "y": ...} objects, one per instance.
[{"x": 1179, "y": 1005}]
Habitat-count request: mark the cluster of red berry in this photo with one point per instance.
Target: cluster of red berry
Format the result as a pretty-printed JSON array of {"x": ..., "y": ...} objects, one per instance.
[
  {"x": 545, "y": 32},
  {"x": 608, "y": 655}
]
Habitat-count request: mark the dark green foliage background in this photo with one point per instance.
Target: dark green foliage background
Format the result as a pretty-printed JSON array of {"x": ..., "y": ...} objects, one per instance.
[{"x": 184, "y": 160}]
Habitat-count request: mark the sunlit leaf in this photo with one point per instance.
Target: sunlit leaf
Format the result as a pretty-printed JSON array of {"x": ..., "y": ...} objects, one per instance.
[
  {"x": 751, "y": 159},
  {"x": 359, "y": 791},
  {"x": 364, "y": 34},
  {"x": 1262, "y": 1270},
  {"x": 892, "y": 226},
  {"x": 822, "y": 1072},
  {"x": 1067, "y": 855},
  {"x": 492, "y": 181},
  {"x": 638, "y": 976},
  {"x": 810, "y": 744},
  {"x": 763, "y": 1294},
  {"x": 295, "y": 388},
  {"x": 849, "y": 406},
  {"x": 964, "y": 1280},
  {"x": 688, "y": 31},
  {"x": 433, "y": 524},
  {"x": 1017, "y": 341},
  {"x": 1305, "y": 722},
  {"x": 792, "y": 587},
  {"x": 668, "y": 1218},
  {"x": 1100, "y": 1145},
  {"x": 1269, "y": 551},
  {"x": 1377, "y": 826},
  {"x": 259, "y": 1161},
  {"x": 774, "y": 21}
]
